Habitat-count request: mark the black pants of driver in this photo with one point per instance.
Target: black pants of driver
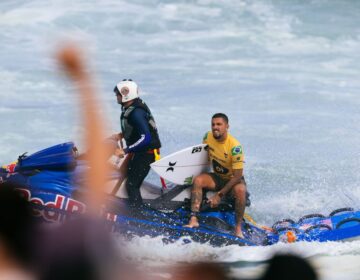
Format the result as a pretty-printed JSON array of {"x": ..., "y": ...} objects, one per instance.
[{"x": 138, "y": 169}]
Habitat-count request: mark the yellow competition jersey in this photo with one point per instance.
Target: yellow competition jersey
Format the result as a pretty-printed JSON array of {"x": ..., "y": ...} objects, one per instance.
[{"x": 224, "y": 156}]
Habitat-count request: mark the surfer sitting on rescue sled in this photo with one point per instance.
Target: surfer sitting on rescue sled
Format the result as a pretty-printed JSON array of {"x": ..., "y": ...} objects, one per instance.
[
  {"x": 227, "y": 160},
  {"x": 141, "y": 137}
]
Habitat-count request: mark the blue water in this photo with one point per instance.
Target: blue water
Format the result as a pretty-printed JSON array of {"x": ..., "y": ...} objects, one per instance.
[{"x": 286, "y": 73}]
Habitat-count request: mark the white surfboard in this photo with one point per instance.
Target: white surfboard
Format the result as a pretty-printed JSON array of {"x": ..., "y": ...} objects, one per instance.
[{"x": 181, "y": 167}]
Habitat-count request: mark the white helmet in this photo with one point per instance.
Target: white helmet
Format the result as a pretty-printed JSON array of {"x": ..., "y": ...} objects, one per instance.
[{"x": 128, "y": 90}]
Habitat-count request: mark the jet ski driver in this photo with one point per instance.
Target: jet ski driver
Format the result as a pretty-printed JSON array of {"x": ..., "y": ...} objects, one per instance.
[{"x": 141, "y": 137}]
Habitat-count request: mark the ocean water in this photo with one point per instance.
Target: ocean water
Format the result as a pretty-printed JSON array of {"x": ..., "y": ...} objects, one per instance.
[{"x": 285, "y": 72}]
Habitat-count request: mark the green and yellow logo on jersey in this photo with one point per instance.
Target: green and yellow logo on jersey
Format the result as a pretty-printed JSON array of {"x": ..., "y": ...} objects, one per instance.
[
  {"x": 237, "y": 150},
  {"x": 205, "y": 136}
]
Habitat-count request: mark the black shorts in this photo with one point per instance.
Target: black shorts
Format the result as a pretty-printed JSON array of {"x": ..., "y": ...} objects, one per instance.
[{"x": 221, "y": 182}]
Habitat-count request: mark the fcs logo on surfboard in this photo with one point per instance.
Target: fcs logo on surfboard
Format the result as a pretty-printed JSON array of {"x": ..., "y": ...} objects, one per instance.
[
  {"x": 196, "y": 150},
  {"x": 171, "y": 166}
]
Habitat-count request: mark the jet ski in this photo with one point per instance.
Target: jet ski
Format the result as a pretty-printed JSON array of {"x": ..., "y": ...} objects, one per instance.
[{"x": 52, "y": 180}]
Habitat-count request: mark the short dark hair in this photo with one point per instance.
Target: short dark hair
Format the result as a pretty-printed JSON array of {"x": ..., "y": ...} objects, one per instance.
[{"x": 221, "y": 115}]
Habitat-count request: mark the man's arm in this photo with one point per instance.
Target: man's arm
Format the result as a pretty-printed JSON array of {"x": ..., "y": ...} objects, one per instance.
[
  {"x": 117, "y": 137},
  {"x": 139, "y": 120},
  {"x": 119, "y": 149},
  {"x": 237, "y": 158},
  {"x": 236, "y": 179}
]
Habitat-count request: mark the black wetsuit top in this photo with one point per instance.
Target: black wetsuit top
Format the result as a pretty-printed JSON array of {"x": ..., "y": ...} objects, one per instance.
[{"x": 139, "y": 128}]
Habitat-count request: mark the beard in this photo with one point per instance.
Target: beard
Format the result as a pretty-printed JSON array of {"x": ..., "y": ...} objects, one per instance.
[{"x": 217, "y": 134}]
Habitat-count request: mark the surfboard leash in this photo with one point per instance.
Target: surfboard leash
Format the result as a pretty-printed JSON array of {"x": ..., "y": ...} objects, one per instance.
[{"x": 158, "y": 157}]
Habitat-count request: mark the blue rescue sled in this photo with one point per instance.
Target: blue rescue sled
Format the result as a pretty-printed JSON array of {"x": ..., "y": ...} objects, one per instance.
[{"x": 51, "y": 180}]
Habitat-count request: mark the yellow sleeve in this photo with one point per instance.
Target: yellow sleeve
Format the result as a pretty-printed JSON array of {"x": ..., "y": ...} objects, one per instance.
[
  {"x": 237, "y": 157},
  {"x": 205, "y": 138},
  {"x": 205, "y": 141}
]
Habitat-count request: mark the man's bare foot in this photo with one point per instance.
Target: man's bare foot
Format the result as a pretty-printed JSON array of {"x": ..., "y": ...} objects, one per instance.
[
  {"x": 238, "y": 232},
  {"x": 193, "y": 223}
]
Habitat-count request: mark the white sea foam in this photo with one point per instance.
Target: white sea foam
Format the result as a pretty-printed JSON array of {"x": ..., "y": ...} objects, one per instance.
[
  {"x": 154, "y": 249},
  {"x": 286, "y": 73}
]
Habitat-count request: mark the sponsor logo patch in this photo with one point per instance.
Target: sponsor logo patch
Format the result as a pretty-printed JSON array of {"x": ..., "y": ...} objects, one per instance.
[
  {"x": 196, "y": 150},
  {"x": 218, "y": 168}
]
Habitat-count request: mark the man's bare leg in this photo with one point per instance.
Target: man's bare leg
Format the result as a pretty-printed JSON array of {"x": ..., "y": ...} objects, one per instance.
[
  {"x": 200, "y": 182},
  {"x": 240, "y": 203},
  {"x": 196, "y": 198}
]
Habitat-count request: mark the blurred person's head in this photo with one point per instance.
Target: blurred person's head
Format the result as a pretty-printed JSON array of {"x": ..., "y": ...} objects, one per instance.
[
  {"x": 80, "y": 248},
  {"x": 16, "y": 227},
  {"x": 287, "y": 266}
]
